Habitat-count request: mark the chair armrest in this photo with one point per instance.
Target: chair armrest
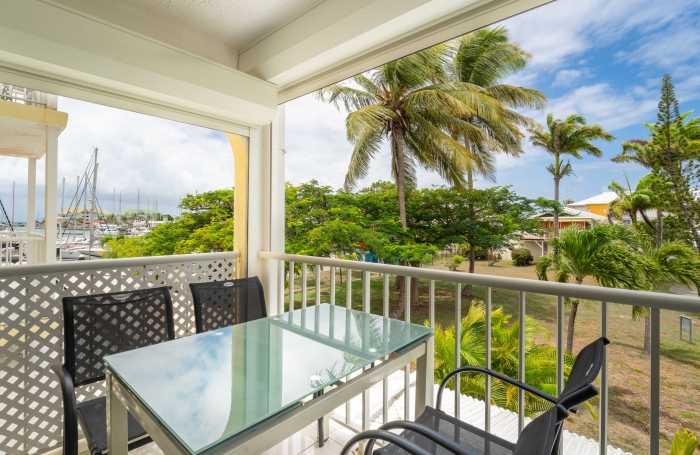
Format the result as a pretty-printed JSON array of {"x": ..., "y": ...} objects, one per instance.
[
  {"x": 70, "y": 410},
  {"x": 424, "y": 431},
  {"x": 408, "y": 446},
  {"x": 502, "y": 377}
]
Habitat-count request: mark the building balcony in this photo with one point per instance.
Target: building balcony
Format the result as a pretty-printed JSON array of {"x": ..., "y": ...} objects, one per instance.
[{"x": 31, "y": 337}]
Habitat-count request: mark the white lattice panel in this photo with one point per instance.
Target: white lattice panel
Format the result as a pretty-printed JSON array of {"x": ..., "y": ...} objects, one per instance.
[{"x": 31, "y": 338}]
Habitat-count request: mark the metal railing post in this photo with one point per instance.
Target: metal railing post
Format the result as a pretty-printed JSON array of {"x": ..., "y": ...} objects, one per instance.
[
  {"x": 521, "y": 362},
  {"x": 603, "y": 411},
  {"x": 655, "y": 377}
]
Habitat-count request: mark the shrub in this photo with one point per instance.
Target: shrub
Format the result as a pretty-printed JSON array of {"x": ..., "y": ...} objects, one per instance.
[
  {"x": 684, "y": 443},
  {"x": 493, "y": 257},
  {"x": 454, "y": 262},
  {"x": 521, "y": 257}
]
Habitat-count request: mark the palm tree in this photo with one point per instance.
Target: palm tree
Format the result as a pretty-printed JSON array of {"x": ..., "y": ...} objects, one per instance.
[
  {"x": 411, "y": 103},
  {"x": 485, "y": 58},
  {"x": 673, "y": 263},
  {"x": 541, "y": 359},
  {"x": 604, "y": 252},
  {"x": 408, "y": 102},
  {"x": 632, "y": 202},
  {"x": 570, "y": 136}
]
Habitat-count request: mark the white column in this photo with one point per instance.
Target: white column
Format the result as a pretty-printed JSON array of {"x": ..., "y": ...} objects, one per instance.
[
  {"x": 266, "y": 204},
  {"x": 31, "y": 208},
  {"x": 51, "y": 186}
]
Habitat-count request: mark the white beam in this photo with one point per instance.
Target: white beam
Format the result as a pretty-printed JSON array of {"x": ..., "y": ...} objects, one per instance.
[
  {"x": 50, "y": 189},
  {"x": 58, "y": 50},
  {"x": 338, "y": 39}
]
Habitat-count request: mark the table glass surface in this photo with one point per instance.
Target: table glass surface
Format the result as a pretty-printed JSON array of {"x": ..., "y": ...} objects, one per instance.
[{"x": 212, "y": 387}]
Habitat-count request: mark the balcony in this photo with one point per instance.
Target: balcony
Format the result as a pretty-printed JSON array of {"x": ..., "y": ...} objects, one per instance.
[{"x": 31, "y": 337}]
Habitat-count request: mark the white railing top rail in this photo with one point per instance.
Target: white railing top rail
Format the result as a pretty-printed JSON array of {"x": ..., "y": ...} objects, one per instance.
[
  {"x": 597, "y": 293},
  {"x": 102, "y": 264}
]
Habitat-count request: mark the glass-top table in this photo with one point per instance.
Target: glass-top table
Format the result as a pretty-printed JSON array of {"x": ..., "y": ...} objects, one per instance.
[{"x": 209, "y": 389}]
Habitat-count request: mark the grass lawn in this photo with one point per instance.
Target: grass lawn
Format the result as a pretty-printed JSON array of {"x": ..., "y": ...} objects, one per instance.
[{"x": 628, "y": 368}]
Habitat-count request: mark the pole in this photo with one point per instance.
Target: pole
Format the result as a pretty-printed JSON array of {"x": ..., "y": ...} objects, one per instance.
[
  {"x": 85, "y": 194},
  {"x": 92, "y": 209},
  {"x": 13, "y": 207},
  {"x": 120, "y": 206},
  {"x": 63, "y": 193}
]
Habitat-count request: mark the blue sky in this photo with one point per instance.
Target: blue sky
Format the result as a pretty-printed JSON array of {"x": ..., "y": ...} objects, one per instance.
[{"x": 603, "y": 59}]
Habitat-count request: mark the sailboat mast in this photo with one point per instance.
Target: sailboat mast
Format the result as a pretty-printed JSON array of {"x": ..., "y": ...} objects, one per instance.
[{"x": 94, "y": 200}]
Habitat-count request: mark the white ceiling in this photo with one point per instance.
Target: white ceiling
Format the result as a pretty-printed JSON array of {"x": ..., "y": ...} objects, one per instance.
[{"x": 237, "y": 24}]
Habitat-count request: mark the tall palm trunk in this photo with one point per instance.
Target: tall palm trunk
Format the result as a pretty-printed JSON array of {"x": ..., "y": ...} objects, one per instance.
[
  {"x": 572, "y": 323},
  {"x": 659, "y": 228},
  {"x": 557, "y": 178},
  {"x": 401, "y": 190},
  {"x": 467, "y": 290}
]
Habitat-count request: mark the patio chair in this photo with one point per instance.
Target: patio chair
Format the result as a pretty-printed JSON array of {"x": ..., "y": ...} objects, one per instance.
[
  {"x": 445, "y": 435},
  {"x": 473, "y": 441},
  {"x": 220, "y": 304},
  {"x": 96, "y": 326}
]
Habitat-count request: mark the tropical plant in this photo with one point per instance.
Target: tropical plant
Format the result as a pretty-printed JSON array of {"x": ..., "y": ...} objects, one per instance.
[
  {"x": 684, "y": 442},
  {"x": 484, "y": 59},
  {"x": 521, "y": 257},
  {"x": 568, "y": 137},
  {"x": 632, "y": 202},
  {"x": 541, "y": 359},
  {"x": 605, "y": 252},
  {"x": 409, "y": 102},
  {"x": 672, "y": 262},
  {"x": 454, "y": 262}
]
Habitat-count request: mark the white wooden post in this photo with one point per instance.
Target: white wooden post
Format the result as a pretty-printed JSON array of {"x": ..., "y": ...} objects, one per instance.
[
  {"x": 259, "y": 220},
  {"x": 51, "y": 183},
  {"x": 31, "y": 210}
]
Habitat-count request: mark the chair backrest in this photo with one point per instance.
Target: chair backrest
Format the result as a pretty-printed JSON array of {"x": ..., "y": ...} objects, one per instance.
[
  {"x": 103, "y": 324},
  {"x": 579, "y": 386},
  {"x": 220, "y": 304},
  {"x": 539, "y": 436}
]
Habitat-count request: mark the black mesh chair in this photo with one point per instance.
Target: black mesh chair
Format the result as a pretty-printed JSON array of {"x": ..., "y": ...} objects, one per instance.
[
  {"x": 445, "y": 435},
  {"x": 220, "y": 304},
  {"x": 96, "y": 326},
  {"x": 579, "y": 388}
]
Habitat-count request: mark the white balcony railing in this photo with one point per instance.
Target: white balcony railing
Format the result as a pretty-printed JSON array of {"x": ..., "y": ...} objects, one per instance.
[
  {"x": 22, "y": 95},
  {"x": 20, "y": 249},
  {"x": 655, "y": 301},
  {"x": 31, "y": 331}
]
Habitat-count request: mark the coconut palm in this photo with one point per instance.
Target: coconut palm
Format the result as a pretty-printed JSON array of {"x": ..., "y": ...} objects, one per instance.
[
  {"x": 605, "y": 252},
  {"x": 485, "y": 58},
  {"x": 409, "y": 103},
  {"x": 541, "y": 359},
  {"x": 568, "y": 137}
]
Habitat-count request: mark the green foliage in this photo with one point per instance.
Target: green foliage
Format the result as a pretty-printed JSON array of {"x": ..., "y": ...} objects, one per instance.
[
  {"x": 521, "y": 257},
  {"x": 206, "y": 225},
  {"x": 454, "y": 262},
  {"x": 541, "y": 359},
  {"x": 684, "y": 443}
]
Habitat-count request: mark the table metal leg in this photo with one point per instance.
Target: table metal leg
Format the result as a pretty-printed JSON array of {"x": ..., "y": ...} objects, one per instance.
[
  {"x": 424, "y": 378},
  {"x": 117, "y": 430},
  {"x": 324, "y": 427}
]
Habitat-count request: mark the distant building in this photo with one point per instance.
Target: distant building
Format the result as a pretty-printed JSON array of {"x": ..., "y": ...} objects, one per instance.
[{"x": 599, "y": 205}]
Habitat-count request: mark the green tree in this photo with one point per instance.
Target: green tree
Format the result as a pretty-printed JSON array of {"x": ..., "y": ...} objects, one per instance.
[
  {"x": 485, "y": 219},
  {"x": 675, "y": 151},
  {"x": 206, "y": 225},
  {"x": 541, "y": 359},
  {"x": 632, "y": 202},
  {"x": 409, "y": 102},
  {"x": 568, "y": 137},
  {"x": 604, "y": 252},
  {"x": 485, "y": 58}
]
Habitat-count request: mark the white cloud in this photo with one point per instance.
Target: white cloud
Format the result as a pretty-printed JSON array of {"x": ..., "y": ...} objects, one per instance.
[
  {"x": 165, "y": 159},
  {"x": 567, "y": 78},
  {"x": 605, "y": 105}
]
